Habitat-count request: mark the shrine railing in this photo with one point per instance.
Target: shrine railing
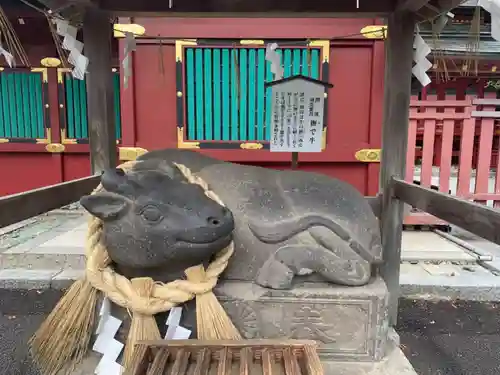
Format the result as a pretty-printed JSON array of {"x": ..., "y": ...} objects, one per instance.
[{"x": 453, "y": 148}]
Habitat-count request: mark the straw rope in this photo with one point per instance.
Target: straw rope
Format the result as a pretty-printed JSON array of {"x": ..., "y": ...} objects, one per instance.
[{"x": 163, "y": 297}]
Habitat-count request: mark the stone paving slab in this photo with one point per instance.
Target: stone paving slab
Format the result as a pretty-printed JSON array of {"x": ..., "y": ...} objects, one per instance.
[
  {"x": 42, "y": 261},
  {"x": 38, "y": 231},
  {"x": 430, "y": 246},
  {"x": 54, "y": 245}
]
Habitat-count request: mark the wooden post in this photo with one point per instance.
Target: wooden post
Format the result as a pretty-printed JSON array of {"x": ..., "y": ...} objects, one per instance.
[
  {"x": 397, "y": 92},
  {"x": 97, "y": 34},
  {"x": 295, "y": 160}
]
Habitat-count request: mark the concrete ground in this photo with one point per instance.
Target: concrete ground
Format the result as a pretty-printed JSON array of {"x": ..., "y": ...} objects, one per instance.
[{"x": 438, "y": 338}]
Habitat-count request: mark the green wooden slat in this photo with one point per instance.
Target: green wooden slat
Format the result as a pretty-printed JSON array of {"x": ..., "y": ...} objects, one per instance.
[
  {"x": 226, "y": 93},
  {"x": 76, "y": 84},
  {"x": 199, "y": 93},
  {"x": 5, "y": 106},
  {"x": 269, "y": 98},
  {"x": 12, "y": 104},
  {"x": 217, "y": 90},
  {"x": 190, "y": 72},
  {"x": 315, "y": 64},
  {"x": 19, "y": 105},
  {"x": 70, "y": 118},
  {"x": 251, "y": 94},
  {"x": 305, "y": 60},
  {"x": 261, "y": 65},
  {"x": 207, "y": 80},
  {"x": 77, "y": 111},
  {"x": 296, "y": 61},
  {"x": 40, "y": 118},
  {"x": 29, "y": 131},
  {"x": 83, "y": 108},
  {"x": 234, "y": 95},
  {"x": 118, "y": 119},
  {"x": 243, "y": 93},
  {"x": 33, "y": 118},
  {"x": 3, "y": 132},
  {"x": 287, "y": 62}
]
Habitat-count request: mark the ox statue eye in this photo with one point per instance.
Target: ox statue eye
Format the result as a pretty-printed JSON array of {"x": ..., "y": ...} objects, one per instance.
[{"x": 151, "y": 214}]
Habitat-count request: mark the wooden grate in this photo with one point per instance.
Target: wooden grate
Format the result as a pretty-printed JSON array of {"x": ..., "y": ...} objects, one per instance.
[{"x": 245, "y": 357}]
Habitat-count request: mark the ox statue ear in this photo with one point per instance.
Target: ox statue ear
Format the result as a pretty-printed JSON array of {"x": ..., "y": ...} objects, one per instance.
[{"x": 105, "y": 205}]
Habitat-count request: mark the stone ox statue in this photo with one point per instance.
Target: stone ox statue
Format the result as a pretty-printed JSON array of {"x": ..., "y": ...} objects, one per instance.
[{"x": 283, "y": 223}]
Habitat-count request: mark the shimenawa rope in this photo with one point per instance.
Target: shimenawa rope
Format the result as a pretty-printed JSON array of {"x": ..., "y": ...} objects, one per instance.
[{"x": 164, "y": 296}]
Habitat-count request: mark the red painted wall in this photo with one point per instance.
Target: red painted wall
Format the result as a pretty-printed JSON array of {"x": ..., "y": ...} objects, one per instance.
[
  {"x": 355, "y": 103},
  {"x": 148, "y": 104}
]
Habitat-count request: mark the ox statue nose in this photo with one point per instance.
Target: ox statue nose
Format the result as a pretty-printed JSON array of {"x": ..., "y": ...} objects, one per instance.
[{"x": 216, "y": 223}]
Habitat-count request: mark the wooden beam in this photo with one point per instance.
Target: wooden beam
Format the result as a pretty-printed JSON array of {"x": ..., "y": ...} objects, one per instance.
[
  {"x": 476, "y": 218},
  {"x": 160, "y": 7},
  {"x": 410, "y": 5},
  {"x": 18, "y": 207},
  {"x": 398, "y": 64},
  {"x": 97, "y": 36}
]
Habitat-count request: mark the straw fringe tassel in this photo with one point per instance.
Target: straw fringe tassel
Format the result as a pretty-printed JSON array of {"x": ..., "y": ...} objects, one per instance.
[
  {"x": 72, "y": 321},
  {"x": 212, "y": 321}
]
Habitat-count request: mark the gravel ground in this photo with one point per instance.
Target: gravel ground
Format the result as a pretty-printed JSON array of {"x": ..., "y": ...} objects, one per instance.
[
  {"x": 451, "y": 337},
  {"x": 439, "y": 338}
]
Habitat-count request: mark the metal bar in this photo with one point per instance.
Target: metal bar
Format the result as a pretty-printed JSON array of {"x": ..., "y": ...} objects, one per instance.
[
  {"x": 478, "y": 219},
  {"x": 473, "y": 250},
  {"x": 22, "y": 206}
]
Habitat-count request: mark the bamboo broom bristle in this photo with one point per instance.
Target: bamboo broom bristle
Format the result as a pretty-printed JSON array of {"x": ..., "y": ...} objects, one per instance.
[
  {"x": 63, "y": 338},
  {"x": 212, "y": 321}
]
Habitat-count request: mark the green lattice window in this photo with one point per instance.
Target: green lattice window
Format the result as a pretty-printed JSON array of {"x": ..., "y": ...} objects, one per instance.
[
  {"x": 225, "y": 98},
  {"x": 75, "y": 92},
  {"x": 22, "y": 104}
]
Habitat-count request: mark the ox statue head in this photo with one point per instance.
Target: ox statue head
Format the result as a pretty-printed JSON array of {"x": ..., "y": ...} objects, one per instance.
[{"x": 154, "y": 220}]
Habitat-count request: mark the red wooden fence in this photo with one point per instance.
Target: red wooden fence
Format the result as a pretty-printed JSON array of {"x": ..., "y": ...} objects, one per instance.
[{"x": 454, "y": 145}]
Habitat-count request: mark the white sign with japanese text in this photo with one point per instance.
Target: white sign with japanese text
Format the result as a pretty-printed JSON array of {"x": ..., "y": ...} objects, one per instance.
[{"x": 297, "y": 116}]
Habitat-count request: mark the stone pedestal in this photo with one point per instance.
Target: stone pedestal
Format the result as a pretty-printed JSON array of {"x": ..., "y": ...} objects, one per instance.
[{"x": 350, "y": 322}]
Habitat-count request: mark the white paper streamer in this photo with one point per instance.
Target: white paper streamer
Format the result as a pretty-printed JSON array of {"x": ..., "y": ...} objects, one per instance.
[
  {"x": 422, "y": 64},
  {"x": 75, "y": 48},
  {"x": 105, "y": 343},
  {"x": 104, "y": 313},
  {"x": 9, "y": 58},
  {"x": 174, "y": 330},
  {"x": 275, "y": 60}
]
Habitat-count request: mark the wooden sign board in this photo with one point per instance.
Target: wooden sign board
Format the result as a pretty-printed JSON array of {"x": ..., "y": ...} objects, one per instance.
[{"x": 297, "y": 114}]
